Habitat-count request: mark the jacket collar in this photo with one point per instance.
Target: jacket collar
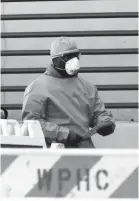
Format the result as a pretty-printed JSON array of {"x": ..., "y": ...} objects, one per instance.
[{"x": 50, "y": 70}]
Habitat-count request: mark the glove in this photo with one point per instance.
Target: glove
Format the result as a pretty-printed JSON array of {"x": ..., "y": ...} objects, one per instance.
[
  {"x": 106, "y": 128},
  {"x": 103, "y": 128},
  {"x": 73, "y": 139}
]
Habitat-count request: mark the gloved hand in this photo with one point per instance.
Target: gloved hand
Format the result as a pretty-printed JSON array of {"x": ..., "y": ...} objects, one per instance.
[
  {"x": 73, "y": 139},
  {"x": 106, "y": 128},
  {"x": 103, "y": 128}
]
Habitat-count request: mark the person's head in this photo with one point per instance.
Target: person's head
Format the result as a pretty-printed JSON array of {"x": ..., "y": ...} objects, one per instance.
[
  {"x": 65, "y": 56},
  {"x": 3, "y": 113}
]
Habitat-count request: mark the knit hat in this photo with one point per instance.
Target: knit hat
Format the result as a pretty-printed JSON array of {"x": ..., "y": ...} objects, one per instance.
[{"x": 63, "y": 45}]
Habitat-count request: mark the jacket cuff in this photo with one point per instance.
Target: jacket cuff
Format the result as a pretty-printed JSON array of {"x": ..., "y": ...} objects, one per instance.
[{"x": 62, "y": 134}]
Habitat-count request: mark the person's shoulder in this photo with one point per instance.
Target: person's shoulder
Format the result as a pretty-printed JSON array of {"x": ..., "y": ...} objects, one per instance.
[
  {"x": 35, "y": 85},
  {"x": 89, "y": 85}
]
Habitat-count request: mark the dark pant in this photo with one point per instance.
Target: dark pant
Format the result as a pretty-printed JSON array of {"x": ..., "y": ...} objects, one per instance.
[{"x": 83, "y": 144}]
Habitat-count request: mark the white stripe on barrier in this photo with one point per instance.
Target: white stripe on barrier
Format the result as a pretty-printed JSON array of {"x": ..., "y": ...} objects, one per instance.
[
  {"x": 26, "y": 178},
  {"x": 117, "y": 169}
]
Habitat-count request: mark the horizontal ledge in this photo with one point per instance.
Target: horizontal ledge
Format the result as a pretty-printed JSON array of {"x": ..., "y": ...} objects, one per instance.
[
  {"x": 114, "y": 69},
  {"x": 69, "y": 16},
  {"x": 72, "y": 152},
  {"x": 36, "y": 0},
  {"x": 14, "y": 140},
  {"x": 99, "y": 87},
  {"x": 69, "y": 34},
  {"x": 83, "y": 52},
  {"x": 107, "y": 105}
]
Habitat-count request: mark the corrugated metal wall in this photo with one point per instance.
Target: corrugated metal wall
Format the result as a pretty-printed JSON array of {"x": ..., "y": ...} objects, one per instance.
[{"x": 113, "y": 27}]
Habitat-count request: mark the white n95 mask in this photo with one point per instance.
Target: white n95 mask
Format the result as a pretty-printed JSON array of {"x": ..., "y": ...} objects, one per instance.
[{"x": 72, "y": 66}]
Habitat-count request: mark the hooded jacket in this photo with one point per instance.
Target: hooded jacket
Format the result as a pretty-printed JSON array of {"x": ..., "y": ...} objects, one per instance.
[{"x": 63, "y": 105}]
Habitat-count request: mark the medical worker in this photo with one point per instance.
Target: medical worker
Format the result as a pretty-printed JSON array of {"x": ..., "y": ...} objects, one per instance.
[{"x": 65, "y": 104}]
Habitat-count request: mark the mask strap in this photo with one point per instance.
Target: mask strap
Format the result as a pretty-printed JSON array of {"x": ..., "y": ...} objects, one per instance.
[
  {"x": 62, "y": 59},
  {"x": 60, "y": 68}
]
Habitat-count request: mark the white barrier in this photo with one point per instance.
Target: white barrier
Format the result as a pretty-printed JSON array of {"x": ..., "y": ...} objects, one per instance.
[
  {"x": 82, "y": 174},
  {"x": 21, "y": 133},
  {"x": 10, "y": 127}
]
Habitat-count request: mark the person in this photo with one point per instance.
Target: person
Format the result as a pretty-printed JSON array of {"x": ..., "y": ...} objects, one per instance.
[
  {"x": 65, "y": 104},
  {"x": 3, "y": 113}
]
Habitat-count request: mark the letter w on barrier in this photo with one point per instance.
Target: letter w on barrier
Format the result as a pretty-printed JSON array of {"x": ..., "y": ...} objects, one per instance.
[{"x": 44, "y": 179}]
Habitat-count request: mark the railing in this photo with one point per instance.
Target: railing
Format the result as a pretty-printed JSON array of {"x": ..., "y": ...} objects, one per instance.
[
  {"x": 108, "y": 105},
  {"x": 69, "y": 16},
  {"x": 118, "y": 69},
  {"x": 83, "y": 52},
  {"x": 69, "y": 34},
  {"x": 99, "y": 87}
]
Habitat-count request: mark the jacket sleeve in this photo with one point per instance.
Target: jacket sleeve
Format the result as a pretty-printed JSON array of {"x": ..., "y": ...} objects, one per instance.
[
  {"x": 102, "y": 117},
  {"x": 35, "y": 108}
]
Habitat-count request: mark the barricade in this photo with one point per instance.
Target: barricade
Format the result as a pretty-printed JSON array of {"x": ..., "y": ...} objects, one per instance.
[
  {"x": 27, "y": 133},
  {"x": 78, "y": 174}
]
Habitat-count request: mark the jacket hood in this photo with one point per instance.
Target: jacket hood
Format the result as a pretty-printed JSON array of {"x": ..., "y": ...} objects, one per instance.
[{"x": 62, "y": 46}]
